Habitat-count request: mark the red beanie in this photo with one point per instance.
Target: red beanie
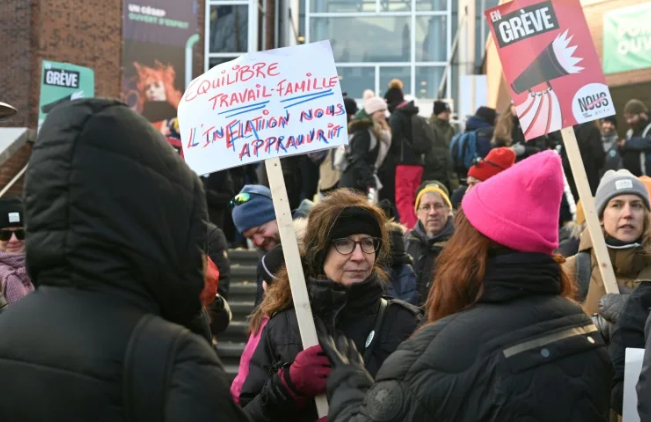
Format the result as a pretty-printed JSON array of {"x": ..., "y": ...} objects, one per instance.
[{"x": 497, "y": 160}]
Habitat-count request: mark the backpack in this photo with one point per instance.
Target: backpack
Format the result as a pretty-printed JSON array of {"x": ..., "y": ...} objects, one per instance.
[
  {"x": 583, "y": 274},
  {"x": 463, "y": 149},
  {"x": 148, "y": 363},
  {"x": 422, "y": 135}
]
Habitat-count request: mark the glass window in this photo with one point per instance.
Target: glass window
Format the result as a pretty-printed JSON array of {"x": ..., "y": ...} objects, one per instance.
[
  {"x": 214, "y": 61},
  {"x": 389, "y": 73},
  {"x": 428, "y": 79},
  {"x": 365, "y": 39},
  {"x": 431, "y": 39},
  {"x": 229, "y": 29},
  {"x": 395, "y": 5},
  {"x": 432, "y": 5},
  {"x": 331, "y": 6},
  {"x": 354, "y": 80}
]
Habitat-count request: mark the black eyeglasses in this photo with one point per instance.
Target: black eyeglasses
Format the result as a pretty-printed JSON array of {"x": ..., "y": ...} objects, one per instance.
[
  {"x": 5, "y": 234},
  {"x": 347, "y": 246},
  {"x": 243, "y": 198}
]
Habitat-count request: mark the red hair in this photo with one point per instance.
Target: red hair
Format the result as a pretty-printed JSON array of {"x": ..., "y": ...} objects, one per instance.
[{"x": 460, "y": 270}]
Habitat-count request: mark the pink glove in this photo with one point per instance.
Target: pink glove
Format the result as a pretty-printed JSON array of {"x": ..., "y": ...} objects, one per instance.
[{"x": 308, "y": 374}]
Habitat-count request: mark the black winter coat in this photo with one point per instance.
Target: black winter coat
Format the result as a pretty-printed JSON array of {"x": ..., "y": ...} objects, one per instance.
[
  {"x": 217, "y": 250},
  {"x": 424, "y": 251},
  {"x": 401, "y": 136},
  {"x": 264, "y": 397},
  {"x": 629, "y": 332},
  {"x": 644, "y": 383},
  {"x": 361, "y": 159},
  {"x": 116, "y": 223},
  {"x": 522, "y": 353},
  {"x": 592, "y": 154}
]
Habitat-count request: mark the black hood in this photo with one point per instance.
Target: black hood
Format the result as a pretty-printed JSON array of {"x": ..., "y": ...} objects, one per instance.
[
  {"x": 111, "y": 208},
  {"x": 408, "y": 109}
]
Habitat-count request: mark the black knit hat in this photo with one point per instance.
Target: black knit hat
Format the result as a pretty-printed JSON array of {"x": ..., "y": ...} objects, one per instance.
[
  {"x": 487, "y": 114},
  {"x": 440, "y": 107},
  {"x": 394, "y": 95},
  {"x": 271, "y": 263},
  {"x": 12, "y": 213},
  {"x": 350, "y": 105},
  {"x": 355, "y": 220}
]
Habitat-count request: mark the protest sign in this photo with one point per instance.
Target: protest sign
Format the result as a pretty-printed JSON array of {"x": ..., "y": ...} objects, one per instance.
[
  {"x": 262, "y": 105},
  {"x": 550, "y": 64},
  {"x": 632, "y": 369},
  {"x": 556, "y": 82},
  {"x": 63, "y": 82}
]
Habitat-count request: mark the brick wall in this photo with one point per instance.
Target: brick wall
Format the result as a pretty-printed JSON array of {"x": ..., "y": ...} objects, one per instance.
[
  {"x": 12, "y": 167},
  {"x": 594, "y": 15}
]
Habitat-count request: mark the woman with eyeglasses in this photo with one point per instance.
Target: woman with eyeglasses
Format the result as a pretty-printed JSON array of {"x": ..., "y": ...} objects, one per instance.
[
  {"x": 14, "y": 281},
  {"x": 346, "y": 248}
]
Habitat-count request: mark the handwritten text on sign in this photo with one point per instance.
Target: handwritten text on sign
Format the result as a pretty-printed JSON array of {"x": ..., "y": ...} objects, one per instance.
[{"x": 274, "y": 103}]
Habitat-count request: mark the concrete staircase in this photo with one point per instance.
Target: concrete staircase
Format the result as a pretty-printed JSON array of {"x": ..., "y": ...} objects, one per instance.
[{"x": 241, "y": 299}]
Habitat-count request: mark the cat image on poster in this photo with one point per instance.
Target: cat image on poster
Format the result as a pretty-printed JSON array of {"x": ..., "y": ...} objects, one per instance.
[{"x": 158, "y": 97}]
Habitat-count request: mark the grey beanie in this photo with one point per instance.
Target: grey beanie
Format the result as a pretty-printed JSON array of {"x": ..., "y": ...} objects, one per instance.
[{"x": 615, "y": 183}]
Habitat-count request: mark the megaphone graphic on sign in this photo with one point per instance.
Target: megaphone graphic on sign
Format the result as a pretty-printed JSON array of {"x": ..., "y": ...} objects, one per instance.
[
  {"x": 553, "y": 62},
  {"x": 540, "y": 112}
]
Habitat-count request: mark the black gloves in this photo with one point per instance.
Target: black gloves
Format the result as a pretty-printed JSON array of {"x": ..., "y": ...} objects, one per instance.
[{"x": 610, "y": 308}]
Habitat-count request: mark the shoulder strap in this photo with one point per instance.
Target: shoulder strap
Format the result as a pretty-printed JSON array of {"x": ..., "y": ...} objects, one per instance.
[
  {"x": 583, "y": 273},
  {"x": 372, "y": 339},
  {"x": 647, "y": 129},
  {"x": 148, "y": 365}
]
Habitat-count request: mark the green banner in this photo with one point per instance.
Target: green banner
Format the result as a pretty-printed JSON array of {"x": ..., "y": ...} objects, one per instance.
[
  {"x": 62, "y": 82},
  {"x": 627, "y": 39}
]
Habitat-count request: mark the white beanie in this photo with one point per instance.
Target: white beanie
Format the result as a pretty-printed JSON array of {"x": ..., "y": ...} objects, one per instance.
[{"x": 371, "y": 105}]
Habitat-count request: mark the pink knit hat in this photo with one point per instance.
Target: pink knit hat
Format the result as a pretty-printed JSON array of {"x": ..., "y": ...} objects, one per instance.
[
  {"x": 373, "y": 104},
  {"x": 519, "y": 207}
]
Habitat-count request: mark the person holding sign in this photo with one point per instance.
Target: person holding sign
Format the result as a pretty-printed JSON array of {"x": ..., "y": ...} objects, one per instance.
[
  {"x": 346, "y": 249},
  {"x": 623, "y": 208},
  {"x": 504, "y": 342}
]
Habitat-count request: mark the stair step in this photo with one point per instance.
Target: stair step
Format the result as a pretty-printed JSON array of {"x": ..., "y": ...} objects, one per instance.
[
  {"x": 243, "y": 288},
  {"x": 229, "y": 349},
  {"x": 244, "y": 256}
]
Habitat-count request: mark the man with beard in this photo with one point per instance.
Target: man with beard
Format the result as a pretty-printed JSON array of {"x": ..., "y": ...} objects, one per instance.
[
  {"x": 610, "y": 141},
  {"x": 635, "y": 149},
  {"x": 426, "y": 241}
]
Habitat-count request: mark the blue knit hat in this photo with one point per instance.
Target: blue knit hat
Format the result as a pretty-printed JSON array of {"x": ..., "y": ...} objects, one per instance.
[{"x": 255, "y": 210}]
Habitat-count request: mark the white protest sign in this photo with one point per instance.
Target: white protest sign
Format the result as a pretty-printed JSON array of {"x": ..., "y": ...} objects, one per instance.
[
  {"x": 632, "y": 370},
  {"x": 263, "y": 105}
]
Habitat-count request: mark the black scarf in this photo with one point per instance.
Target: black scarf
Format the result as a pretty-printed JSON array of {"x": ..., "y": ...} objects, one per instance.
[{"x": 511, "y": 275}]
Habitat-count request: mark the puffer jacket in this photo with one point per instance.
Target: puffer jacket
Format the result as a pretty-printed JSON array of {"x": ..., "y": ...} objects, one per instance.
[
  {"x": 363, "y": 154},
  {"x": 438, "y": 162},
  {"x": 263, "y": 395},
  {"x": 627, "y": 264},
  {"x": 116, "y": 225},
  {"x": 424, "y": 250},
  {"x": 401, "y": 135},
  {"x": 521, "y": 353}
]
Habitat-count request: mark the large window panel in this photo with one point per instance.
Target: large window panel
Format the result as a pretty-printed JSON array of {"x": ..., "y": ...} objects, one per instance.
[
  {"x": 388, "y": 73},
  {"x": 354, "y": 80},
  {"x": 428, "y": 79},
  {"x": 395, "y": 5},
  {"x": 365, "y": 39},
  {"x": 342, "y": 6},
  {"x": 431, "y": 39},
  {"x": 229, "y": 29},
  {"x": 214, "y": 61},
  {"x": 432, "y": 5}
]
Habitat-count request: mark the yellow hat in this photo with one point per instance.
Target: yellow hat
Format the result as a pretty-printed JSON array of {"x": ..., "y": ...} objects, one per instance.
[
  {"x": 431, "y": 189},
  {"x": 580, "y": 214}
]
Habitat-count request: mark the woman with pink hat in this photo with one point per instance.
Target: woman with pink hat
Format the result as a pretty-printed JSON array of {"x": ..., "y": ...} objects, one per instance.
[{"x": 505, "y": 341}]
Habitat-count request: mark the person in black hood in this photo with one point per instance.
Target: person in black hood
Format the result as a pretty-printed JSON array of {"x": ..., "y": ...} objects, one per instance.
[
  {"x": 426, "y": 241},
  {"x": 636, "y": 148},
  {"x": 115, "y": 236},
  {"x": 346, "y": 248},
  {"x": 483, "y": 124},
  {"x": 505, "y": 341},
  {"x": 610, "y": 141},
  {"x": 588, "y": 138}
]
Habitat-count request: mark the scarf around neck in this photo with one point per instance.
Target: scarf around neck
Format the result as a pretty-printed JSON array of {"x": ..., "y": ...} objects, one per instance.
[{"x": 14, "y": 281}]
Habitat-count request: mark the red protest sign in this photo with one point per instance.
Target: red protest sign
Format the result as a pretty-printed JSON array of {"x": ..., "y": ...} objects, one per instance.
[{"x": 550, "y": 63}]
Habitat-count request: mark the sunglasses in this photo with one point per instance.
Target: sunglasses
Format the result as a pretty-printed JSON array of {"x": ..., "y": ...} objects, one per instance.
[
  {"x": 5, "y": 234},
  {"x": 243, "y": 198}
]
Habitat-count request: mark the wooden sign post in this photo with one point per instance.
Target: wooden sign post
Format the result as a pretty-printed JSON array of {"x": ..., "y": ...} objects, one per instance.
[{"x": 591, "y": 217}]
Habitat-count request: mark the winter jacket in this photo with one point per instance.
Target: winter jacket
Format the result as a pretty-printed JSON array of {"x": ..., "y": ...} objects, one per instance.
[
  {"x": 484, "y": 132},
  {"x": 354, "y": 314},
  {"x": 424, "y": 250},
  {"x": 116, "y": 229},
  {"x": 362, "y": 157},
  {"x": 629, "y": 332},
  {"x": 636, "y": 152},
  {"x": 521, "y": 353},
  {"x": 14, "y": 281},
  {"x": 592, "y": 154},
  {"x": 404, "y": 284},
  {"x": 217, "y": 250},
  {"x": 401, "y": 135},
  {"x": 243, "y": 371},
  {"x": 329, "y": 176},
  {"x": 627, "y": 264},
  {"x": 525, "y": 149},
  {"x": 613, "y": 159},
  {"x": 438, "y": 162},
  {"x": 644, "y": 383}
]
